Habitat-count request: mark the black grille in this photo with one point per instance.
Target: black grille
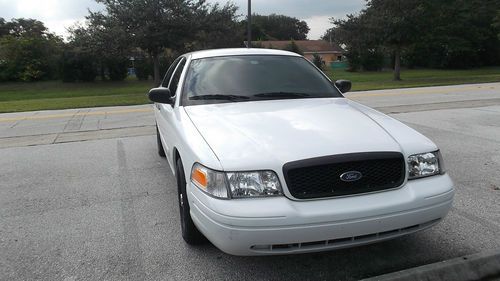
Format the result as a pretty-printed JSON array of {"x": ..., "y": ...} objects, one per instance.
[{"x": 320, "y": 177}]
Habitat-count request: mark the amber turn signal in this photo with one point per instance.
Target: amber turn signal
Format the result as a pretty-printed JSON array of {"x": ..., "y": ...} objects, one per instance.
[{"x": 199, "y": 177}]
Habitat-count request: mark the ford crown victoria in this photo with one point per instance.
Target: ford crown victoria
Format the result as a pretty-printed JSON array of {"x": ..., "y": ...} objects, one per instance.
[{"x": 271, "y": 158}]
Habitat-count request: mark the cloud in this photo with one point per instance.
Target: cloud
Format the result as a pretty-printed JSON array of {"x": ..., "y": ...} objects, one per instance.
[
  {"x": 61, "y": 14},
  {"x": 299, "y": 8},
  {"x": 47, "y": 9},
  {"x": 57, "y": 15},
  {"x": 318, "y": 26},
  {"x": 316, "y": 13}
]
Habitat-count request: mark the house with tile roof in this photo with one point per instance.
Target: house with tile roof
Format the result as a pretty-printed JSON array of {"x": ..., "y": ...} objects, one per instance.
[{"x": 328, "y": 51}]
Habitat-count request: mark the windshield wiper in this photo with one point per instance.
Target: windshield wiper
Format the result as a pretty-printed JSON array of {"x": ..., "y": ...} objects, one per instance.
[
  {"x": 219, "y": 97},
  {"x": 282, "y": 95}
]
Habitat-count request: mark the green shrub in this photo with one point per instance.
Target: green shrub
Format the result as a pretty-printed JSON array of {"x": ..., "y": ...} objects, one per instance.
[
  {"x": 292, "y": 47},
  {"x": 32, "y": 71},
  {"x": 28, "y": 59},
  {"x": 117, "y": 69},
  {"x": 370, "y": 60},
  {"x": 318, "y": 62},
  {"x": 77, "y": 66},
  {"x": 143, "y": 68}
]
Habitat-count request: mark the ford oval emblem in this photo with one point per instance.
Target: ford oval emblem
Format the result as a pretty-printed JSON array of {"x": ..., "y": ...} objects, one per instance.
[{"x": 351, "y": 176}]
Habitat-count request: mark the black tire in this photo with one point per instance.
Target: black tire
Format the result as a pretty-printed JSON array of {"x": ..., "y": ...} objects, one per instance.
[
  {"x": 190, "y": 233},
  {"x": 161, "y": 151}
]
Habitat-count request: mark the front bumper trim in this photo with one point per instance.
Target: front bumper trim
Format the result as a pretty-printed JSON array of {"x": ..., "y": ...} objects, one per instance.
[{"x": 339, "y": 243}]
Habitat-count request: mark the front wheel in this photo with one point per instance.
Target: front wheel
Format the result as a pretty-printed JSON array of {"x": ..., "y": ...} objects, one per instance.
[{"x": 190, "y": 233}]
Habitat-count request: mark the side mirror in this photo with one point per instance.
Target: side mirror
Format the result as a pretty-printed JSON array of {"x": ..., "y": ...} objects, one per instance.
[
  {"x": 161, "y": 95},
  {"x": 343, "y": 85}
]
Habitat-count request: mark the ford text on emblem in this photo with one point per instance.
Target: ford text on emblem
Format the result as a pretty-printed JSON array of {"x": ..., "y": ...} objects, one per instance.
[{"x": 351, "y": 176}]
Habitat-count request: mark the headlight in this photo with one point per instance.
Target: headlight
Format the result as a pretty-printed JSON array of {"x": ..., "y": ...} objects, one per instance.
[
  {"x": 254, "y": 184},
  {"x": 236, "y": 184},
  {"x": 425, "y": 165}
]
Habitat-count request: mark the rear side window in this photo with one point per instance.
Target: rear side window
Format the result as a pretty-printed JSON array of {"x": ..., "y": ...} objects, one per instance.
[
  {"x": 169, "y": 73},
  {"x": 174, "y": 82}
]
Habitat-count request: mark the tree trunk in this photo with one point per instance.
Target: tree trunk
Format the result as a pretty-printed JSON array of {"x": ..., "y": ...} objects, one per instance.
[
  {"x": 156, "y": 68},
  {"x": 102, "y": 73},
  {"x": 397, "y": 64}
]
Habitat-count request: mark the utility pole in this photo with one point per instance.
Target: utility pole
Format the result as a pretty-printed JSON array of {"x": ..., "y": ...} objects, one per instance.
[{"x": 249, "y": 25}]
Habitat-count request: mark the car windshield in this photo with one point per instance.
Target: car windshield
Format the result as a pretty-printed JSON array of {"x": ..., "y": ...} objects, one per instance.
[{"x": 252, "y": 77}]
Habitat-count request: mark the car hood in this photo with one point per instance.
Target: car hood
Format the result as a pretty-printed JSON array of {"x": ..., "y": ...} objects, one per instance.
[{"x": 265, "y": 134}]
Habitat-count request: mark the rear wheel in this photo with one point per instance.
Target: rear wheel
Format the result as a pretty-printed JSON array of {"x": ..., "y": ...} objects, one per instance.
[
  {"x": 190, "y": 233},
  {"x": 161, "y": 151}
]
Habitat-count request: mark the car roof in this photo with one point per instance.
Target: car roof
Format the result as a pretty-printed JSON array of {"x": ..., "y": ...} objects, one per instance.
[{"x": 239, "y": 52}]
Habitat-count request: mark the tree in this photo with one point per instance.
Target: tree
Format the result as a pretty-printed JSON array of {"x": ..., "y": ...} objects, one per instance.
[
  {"x": 457, "y": 34},
  {"x": 442, "y": 34},
  {"x": 395, "y": 22},
  {"x": 318, "y": 61},
  {"x": 26, "y": 27},
  {"x": 4, "y": 29},
  {"x": 219, "y": 28},
  {"x": 104, "y": 39},
  {"x": 292, "y": 47},
  {"x": 156, "y": 25},
  {"x": 28, "y": 52},
  {"x": 496, "y": 23},
  {"x": 360, "y": 40},
  {"x": 278, "y": 27}
]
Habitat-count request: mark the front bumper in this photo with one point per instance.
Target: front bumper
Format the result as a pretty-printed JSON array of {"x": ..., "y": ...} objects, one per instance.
[{"x": 278, "y": 225}]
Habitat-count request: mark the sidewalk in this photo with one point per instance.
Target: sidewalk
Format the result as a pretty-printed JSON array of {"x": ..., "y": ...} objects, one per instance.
[{"x": 56, "y": 126}]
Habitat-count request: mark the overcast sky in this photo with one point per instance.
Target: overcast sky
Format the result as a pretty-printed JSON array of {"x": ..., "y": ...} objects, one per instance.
[{"x": 60, "y": 14}]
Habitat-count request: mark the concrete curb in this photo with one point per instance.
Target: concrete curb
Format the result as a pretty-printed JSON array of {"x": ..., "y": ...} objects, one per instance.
[{"x": 480, "y": 266}]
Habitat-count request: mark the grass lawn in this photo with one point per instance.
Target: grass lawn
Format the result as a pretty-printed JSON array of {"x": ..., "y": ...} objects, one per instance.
[
  {"x": 16, "y": 97},
  {"x": 57, "y": 95},
  {"x": 362, "y": 81}
]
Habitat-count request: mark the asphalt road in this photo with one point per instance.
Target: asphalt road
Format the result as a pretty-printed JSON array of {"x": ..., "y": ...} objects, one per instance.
[{"x": 84, "y": 196}]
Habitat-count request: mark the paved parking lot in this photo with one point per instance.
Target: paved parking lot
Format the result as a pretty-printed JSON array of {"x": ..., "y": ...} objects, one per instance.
[{"x": 83, "y": 195}]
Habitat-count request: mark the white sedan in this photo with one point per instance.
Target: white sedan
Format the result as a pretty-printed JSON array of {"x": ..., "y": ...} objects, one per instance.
[{"x": 270, "y": 158}]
